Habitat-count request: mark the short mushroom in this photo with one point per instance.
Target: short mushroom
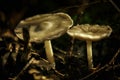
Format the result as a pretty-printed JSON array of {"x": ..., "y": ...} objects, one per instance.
[
  {"x": 45, "y": 27},
  {"x": 90, "y": 33}
]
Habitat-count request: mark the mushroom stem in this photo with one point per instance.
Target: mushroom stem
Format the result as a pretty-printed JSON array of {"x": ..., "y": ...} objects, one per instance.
[
  {"x": 89, "y": 54},
  {"x": 49, "y": 53}
]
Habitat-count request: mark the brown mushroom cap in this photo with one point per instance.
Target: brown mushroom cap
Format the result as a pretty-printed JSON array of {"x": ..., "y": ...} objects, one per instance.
[
  {"x": 45, "y": 26},
  {"x": 90, "y": 32}
]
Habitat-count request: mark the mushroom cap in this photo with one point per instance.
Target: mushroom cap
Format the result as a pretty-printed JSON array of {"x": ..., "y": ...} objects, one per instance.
[
  {"x": 90, "y": 32},
  {"x": 45, "y": 26}
]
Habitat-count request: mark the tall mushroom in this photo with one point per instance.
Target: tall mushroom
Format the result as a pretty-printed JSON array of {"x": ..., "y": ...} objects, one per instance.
[
  {"x": 90, "y": 33},
  {"x": 44, "y": 27}
]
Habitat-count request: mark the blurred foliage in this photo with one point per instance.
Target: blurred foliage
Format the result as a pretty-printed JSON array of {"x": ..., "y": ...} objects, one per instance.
[{"x": 73, "y": 67}]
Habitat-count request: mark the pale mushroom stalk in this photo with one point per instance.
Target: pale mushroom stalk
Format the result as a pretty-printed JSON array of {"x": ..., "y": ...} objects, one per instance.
[
  {"x": 49, "y": 53},
  {"x": 90, "y": 33},
  {"x": 89, "y": 54},
  {"x": 55, "y": 25}
]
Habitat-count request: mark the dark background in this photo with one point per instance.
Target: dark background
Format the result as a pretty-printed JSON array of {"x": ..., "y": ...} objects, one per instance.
[{"x": 101, "y": 12}]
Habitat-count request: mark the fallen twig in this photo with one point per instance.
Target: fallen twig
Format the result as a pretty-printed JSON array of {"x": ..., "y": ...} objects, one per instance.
[
  {"x": 107, "y": 66},
  {"x": 61, "y": 51},
  {"x": 114, "y": 57},
  {"x": 26, "y": 66},
  {"x": 116, "y": 7}
]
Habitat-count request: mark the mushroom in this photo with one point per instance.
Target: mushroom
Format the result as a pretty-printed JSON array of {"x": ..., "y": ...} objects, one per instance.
[
  {"x": 44, "y": 28},
  {"x": 90, "y": 33}
]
